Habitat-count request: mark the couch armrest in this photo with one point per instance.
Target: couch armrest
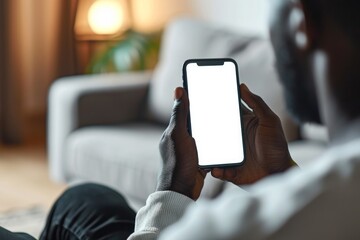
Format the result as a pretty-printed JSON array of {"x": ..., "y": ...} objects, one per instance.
[{"x": 91, "y": 100}]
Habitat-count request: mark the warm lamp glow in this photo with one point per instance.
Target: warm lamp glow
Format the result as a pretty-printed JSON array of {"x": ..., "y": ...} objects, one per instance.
[{"x": 106, "y": 16}]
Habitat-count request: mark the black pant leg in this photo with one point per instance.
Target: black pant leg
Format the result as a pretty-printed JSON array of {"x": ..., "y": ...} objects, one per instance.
[
  {"x": 89, "y": 211},
  {"x": 7, "y": 235}
]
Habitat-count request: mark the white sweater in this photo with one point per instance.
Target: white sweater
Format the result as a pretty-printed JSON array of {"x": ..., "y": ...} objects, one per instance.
[{"x": 319, "y": 202}]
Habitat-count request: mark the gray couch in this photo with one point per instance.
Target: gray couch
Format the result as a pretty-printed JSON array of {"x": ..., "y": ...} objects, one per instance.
[{"x": 106, "y": 128}]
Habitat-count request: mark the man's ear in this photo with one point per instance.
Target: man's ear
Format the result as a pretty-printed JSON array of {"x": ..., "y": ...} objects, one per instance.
[{"x": 299, "y": 26}]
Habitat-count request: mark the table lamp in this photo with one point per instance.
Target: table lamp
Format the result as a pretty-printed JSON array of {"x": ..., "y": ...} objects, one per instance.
[
  {"x": 106, "y": 17},
  {"x": 105, "y": 32},
  {"x": 102, "y": 19}
]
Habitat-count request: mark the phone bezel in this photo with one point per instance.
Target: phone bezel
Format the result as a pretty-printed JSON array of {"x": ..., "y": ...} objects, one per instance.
[{"x": 213, "y": 62}]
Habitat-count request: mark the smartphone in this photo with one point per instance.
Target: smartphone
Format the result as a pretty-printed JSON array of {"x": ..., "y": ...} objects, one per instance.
[{"x": 215, "y": 121}]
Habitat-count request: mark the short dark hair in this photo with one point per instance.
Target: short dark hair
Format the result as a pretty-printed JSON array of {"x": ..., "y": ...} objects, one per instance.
[{"x": 346, "y": 15}]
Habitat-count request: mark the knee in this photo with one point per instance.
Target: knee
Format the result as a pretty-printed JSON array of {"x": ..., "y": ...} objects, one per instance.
[
  {"x": 85, "y": 189},
  {"x": 86, "y": 205},
  {"x": 90, "y": 195},
  {"x": 91, "y": 192}
]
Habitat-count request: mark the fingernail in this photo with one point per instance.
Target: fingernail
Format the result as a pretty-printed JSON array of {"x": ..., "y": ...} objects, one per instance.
[{"x": 178, "y": 93}]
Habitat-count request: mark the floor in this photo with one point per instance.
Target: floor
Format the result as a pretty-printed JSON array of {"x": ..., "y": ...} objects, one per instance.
[{"x": 24, "y": 179}]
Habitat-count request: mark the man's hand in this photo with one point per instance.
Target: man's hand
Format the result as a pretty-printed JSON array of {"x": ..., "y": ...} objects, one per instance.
[
  {"x": 180, "y": 171},
  {"x": 265, "y": 144}
]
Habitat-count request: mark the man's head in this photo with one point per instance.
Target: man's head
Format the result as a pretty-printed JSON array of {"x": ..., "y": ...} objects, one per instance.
[{"x": 317, "y": 53}]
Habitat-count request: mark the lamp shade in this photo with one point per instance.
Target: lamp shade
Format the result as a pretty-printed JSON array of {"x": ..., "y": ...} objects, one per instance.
[
  {"x": 105, "y": 17},
  {"x": 101, "y": 19}
]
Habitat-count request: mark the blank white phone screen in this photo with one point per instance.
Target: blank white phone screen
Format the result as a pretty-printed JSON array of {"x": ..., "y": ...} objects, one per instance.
[{"x": 215, "y": 113}]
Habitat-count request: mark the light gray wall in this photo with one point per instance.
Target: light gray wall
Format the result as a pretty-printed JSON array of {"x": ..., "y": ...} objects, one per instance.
[{"x": 240, "y": 15}]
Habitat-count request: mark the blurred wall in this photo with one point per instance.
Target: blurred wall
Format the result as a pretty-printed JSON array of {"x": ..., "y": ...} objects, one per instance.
[
  {"x": 240, "y": 15},
  {"x": 153, "y": 15}
]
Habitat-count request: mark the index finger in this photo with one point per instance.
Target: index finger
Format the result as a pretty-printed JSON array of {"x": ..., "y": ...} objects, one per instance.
[
  {"x": 180, "y": 109},
  {"x": 245, "y": 110}
]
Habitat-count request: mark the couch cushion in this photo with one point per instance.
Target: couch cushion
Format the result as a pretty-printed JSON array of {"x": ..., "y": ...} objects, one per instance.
[
  {"x": 187, "y": 38},
  {"x": 306, "y": 152},
  {"x": 126, "y": 158},
  {"x": 314, "y": 132}
]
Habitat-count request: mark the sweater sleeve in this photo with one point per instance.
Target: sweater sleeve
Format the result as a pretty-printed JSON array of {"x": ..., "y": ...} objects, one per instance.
[
  {"x": 319, "y": 202},
  {"x": 162, "y": 209}
]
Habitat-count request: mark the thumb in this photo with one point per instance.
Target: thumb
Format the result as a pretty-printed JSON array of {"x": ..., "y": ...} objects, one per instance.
[
  {"x": 180, "y": 109},
  {"x": 256, "y": 103}
]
